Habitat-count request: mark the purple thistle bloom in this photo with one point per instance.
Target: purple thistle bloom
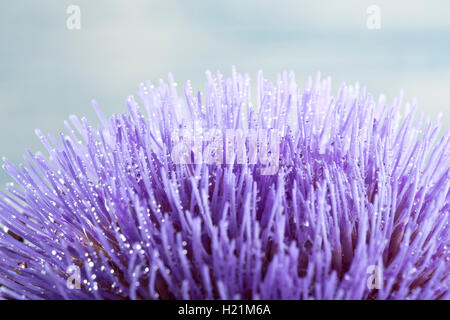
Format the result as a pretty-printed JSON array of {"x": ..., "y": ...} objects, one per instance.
[{"x": 358, "y": 207}]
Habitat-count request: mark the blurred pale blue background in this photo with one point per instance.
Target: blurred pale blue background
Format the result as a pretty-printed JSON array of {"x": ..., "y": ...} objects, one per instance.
[{"x": 48, "y": 72}]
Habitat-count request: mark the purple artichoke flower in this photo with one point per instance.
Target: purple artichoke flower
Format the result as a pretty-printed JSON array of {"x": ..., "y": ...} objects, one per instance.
[{"x": 292, "y": 195}]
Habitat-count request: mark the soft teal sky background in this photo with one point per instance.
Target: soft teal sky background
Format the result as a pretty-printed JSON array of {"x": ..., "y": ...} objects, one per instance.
[{"x": 48, "y": 72}]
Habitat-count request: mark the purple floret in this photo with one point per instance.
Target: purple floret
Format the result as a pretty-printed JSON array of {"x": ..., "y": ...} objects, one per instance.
[{"x": 357, "y": 206}]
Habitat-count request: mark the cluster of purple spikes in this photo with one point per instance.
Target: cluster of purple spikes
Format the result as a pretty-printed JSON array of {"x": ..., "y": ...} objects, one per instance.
[{"x": 361, "y": 196}]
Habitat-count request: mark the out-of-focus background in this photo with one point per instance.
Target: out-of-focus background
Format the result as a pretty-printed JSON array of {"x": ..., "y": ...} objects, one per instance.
[{"x": 48, "y": 72}]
